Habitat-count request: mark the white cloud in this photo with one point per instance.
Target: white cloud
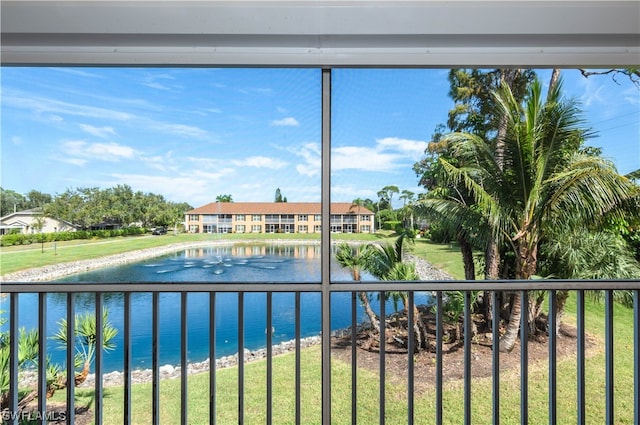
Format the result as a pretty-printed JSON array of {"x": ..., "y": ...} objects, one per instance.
[
  {"x": 102, "y": 132},
  {"x": 413, "y": 148},
  {"x": 80, "y": 150},
  {"x": 362, "y": 158},
  {"x": 286, "y": 122},
  {"x": 388, "y": 154},
  {"x": 311, "y": 156},
  {"x": 73, "y": 161},
  {"x": 261, "y": 162},
  {"x": 179, "y": 129},
  {"x": 44, "y": 105}
]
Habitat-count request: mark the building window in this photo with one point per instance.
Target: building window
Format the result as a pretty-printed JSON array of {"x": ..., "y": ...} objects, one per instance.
[
  {"x": 240, "y": 217},
  {"x": 365, "y": 218},
  {"x": 272, "y": 218},
  {"x": 194, "y": 217},
  {"x": 194, "y": 228},
  {"x": 256, "y": 228},
  {"x": 317, "y": 228},
  {"x": 303, "y": 228},
  {"x": 317, "y": 217},
  {"x": 365, "y": 228},
  {"x": 303, "y": 217},
  {"x": 240, "y": 228},
  {"x": 256, "y": 217}
]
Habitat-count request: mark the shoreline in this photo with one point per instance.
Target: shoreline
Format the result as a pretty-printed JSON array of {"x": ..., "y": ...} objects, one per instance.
[
  {"x": 168, "y": 371},
  {"x": 47, "y": 273}
]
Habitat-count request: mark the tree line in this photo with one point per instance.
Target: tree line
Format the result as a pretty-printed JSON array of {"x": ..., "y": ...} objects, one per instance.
[{"x": 91, "y": 206}]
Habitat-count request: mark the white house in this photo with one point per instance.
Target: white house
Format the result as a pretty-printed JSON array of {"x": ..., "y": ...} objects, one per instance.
[{"x": 32, "y": 221}]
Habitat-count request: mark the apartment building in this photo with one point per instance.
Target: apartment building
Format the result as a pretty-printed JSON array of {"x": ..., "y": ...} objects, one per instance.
[{"x": 277, "y": 217}]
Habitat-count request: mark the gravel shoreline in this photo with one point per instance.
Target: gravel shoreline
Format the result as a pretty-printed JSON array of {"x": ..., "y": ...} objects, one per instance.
[{"x": 48, "y": 273}]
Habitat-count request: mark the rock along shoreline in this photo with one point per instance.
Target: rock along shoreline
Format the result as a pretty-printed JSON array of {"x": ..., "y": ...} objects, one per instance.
[{"x": 48, "y": 273}]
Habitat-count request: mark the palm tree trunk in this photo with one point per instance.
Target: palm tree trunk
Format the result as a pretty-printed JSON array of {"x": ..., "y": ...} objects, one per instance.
[
  {"x": 525, "y": 268},
  {"x": 553, "y": 82},
  {"x": 508, "y": 340},
  {"x": 561, "y": 301},
  {"x": 467, "y": 258},
  {"x": 364, "y": 299},
  {"x": 491, "y": 272},
  {"x": 492, "y": 260}
]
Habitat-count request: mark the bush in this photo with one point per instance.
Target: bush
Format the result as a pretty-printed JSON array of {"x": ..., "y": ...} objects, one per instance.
[
  {"x": 22, "y": 239},
  {"x": 438, "y": 234},
  {"x": 390, "y": 225}
]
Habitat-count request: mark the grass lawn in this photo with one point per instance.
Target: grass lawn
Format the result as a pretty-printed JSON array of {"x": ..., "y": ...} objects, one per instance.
[{"x": 396, "y": 408}]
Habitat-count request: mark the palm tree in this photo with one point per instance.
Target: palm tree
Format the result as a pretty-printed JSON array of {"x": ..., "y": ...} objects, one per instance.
[
  {"x": 546, "y": 181},
  {"x": 224, "y": 198},
  {"x": 85, "y": 336},
  {"x": 385, "y": 263},
  {"x": 356, "y": 259}
]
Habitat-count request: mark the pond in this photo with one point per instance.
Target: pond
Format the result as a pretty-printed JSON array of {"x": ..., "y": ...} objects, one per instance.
[{"x": 259, "y": 263}]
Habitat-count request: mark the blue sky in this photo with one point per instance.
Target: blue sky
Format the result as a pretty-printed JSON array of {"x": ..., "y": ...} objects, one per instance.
[{"x": 191, "y": 134}]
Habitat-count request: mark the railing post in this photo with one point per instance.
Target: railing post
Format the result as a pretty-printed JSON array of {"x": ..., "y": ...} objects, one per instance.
[
  {"x": 155, "y": 358},
  {"x": 269, "y": 320},
  {"x": 495, "y": 346},
  {"x": 354, "y": 359},
  {"x": 127, "y": 358},
  {"x": 581, "y": 399},
  {"x": 98, "y": 362},
  {"x": 552, "y": 325},
  {"x": 13, "y": 356},
  {"x": 608, "y": 348},
  {"x": 298, "y": 360},
  {"x": 439, "y": 338},
  {"x": 524, "y": 358},
  {"x": 467, "y": 357},
  {"x": 241, "y": 357},
  {"x": 184, "y": 366},
  {"x": 410, "y": 358},
  {"x": 381, "y": 357},
  {"x": 636, "y": 351},
  {"x": 71, "y": 357},
  {"x": 42, "y": 354},
  {"x": 212, "y": 358}
]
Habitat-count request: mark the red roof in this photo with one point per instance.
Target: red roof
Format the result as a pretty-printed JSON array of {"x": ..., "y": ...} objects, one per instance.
[{"x": 276, "y": 208}]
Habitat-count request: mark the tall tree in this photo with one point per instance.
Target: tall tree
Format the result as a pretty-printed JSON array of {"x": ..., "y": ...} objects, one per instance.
[
  {"x": 548, "y": 183},
  {"x": 279, "y": 197},
  {"x": 224, "y": 198},
  {"x": 389, "y": 191},
  {"x": 356, "y": 259},
  {"x": 11, "y": 201}
]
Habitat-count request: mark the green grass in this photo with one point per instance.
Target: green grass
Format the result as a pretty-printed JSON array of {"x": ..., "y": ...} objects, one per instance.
[
  {"x": 22, "y": 257},
  {"x": 442, "y": 256},
  {"x": 396, "y": 408}
]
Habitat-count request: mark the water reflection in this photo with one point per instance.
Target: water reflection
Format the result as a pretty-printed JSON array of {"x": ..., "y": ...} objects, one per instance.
[{"x": 271, "y": 263}]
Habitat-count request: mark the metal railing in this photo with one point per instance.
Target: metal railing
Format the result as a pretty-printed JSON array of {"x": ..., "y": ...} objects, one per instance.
[{"x": 14, "y": 291}]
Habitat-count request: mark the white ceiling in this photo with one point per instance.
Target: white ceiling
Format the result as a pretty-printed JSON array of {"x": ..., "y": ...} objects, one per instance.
[{"x": 322, "y": 33}]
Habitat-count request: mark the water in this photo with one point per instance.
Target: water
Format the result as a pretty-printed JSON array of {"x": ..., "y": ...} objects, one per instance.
[{"x": 273, "y": 263}]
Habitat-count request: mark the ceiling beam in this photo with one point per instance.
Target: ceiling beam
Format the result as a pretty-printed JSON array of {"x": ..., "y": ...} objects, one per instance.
[{"x": 321, "y": 33}]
